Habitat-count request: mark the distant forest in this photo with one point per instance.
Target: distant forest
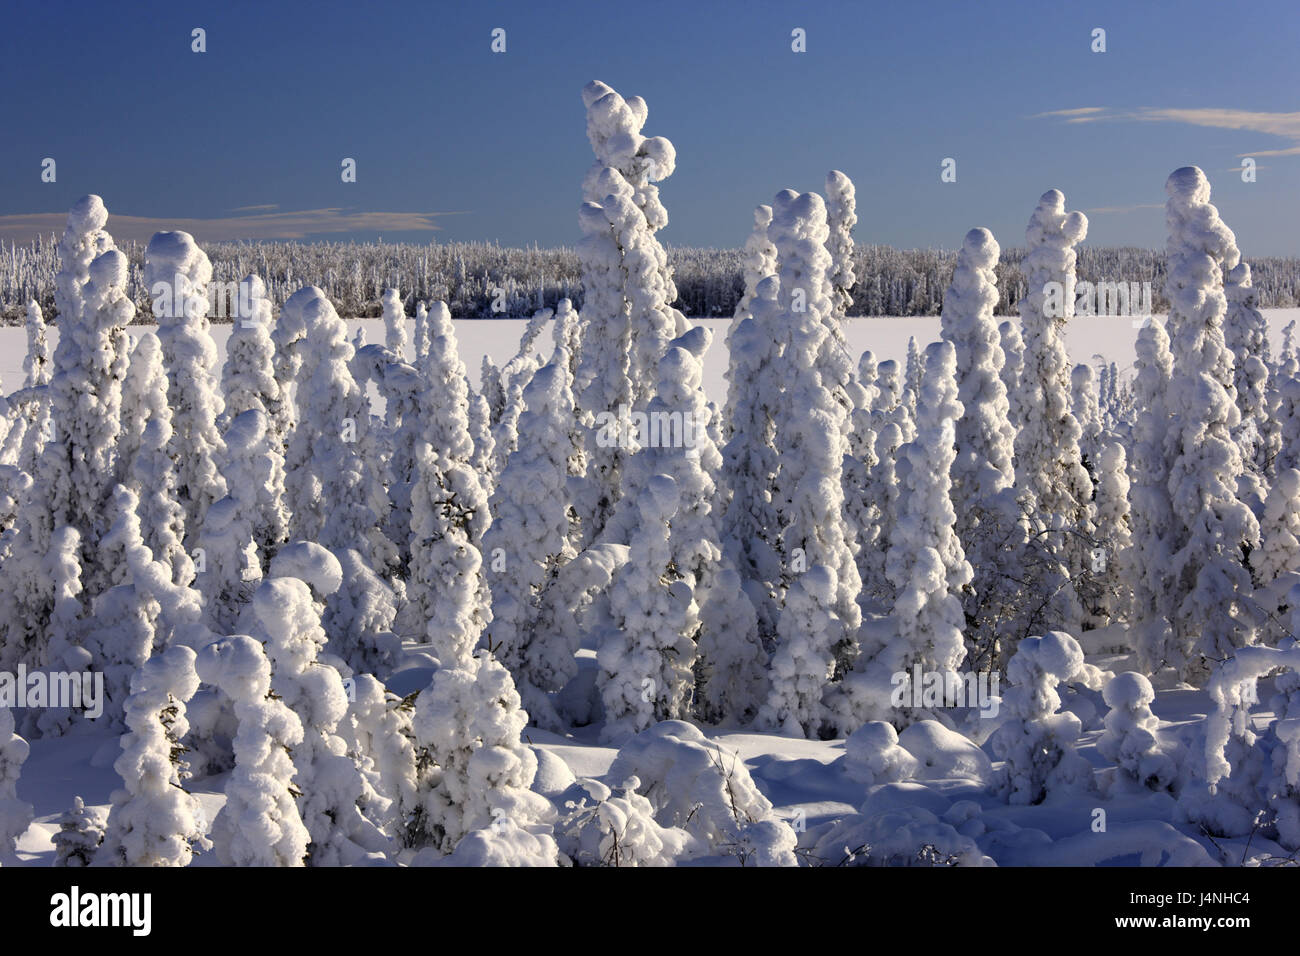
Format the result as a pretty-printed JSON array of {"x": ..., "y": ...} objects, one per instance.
[{"x": 485, "y": 280}]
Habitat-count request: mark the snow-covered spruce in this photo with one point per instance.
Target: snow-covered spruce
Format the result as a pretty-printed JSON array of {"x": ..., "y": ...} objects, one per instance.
[
  {"x": 988, "y": 520},
  {"x": 818, "y": 623},
  {"x": 36, "y": 362},
  {"x": 448, "y": 600},
  {"x": 1246, "y": 780},
  {"x": 1037, "y": 740},
  {"x": 841, "y": 217},
  {"x": 529, "y": 541},
  {"x": 330, "y": 783},
  {"x": 67, "y": 621},
  {"x": 475, "y": 772},
  {"x": 646, "y": 653},
  {"x": 1279, "y": 549},
  {"x": 379, "y": 736},
  {"x": 1085, "y": 404},
  {"x": 236, "y": 524},
  {"x": 760, "y": 262},
  {"x": 324, "y": 467},
  {"x": 81, "y": 831},
  {"x": 1050, "y": 475},
  {"x": 15, "y": 815},
  {"x": 153, "y": 820},
  {"x": 925, "y": 564},
  {"x": 1146, "y": 567},
  {"x": 1013, "y": 367},
  {"x": 177, "y": 272},
  {"x": 508, "y": 384},
  {"x": 1209, "y": 579},
  {"x": 396, "y": 339},
  {"x": 248, "y": 374},
  {"x": 750, "y": 523},
  {"x": 1130, "y": 740},
  {"x": 145, "y": 463},
  {"x": 259, "y": 825},
  {"x": 1245, "y": 332},
  {"x": 1114, "y": 587}
]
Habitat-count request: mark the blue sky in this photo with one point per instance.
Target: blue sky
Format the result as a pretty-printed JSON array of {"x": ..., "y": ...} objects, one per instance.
[{"x": 247, "y": 138}]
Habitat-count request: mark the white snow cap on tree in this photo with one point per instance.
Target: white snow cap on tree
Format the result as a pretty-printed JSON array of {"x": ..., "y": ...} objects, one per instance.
[
  {"x": 177, "y": 272},
  {"x": 259, "y": 824},
  {"x": 154, "y": 821},
  {"x": 1210, "y": 582}
]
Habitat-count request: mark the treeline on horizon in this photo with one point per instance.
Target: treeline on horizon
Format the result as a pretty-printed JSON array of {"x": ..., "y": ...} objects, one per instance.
[{"x": 487, "y": 280}]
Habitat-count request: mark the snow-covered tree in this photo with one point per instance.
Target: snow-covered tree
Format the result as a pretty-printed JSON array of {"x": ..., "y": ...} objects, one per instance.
[
  {"x": 750, "y": 523},
  {"x": 1245, "y": 332},
  {"x": 81, "y": 831},
  {"x": 1013, "y": 367},
  {"x": 1113, "y": 535},
  {"x": 447, "y": 592},
  {"x": 36, "y": 362},
  {"x": 1085, "y": 404},
  {"x": 841, "y": 217},
  {"x": 646, "y": 653},
  {"x": 147, "y": 467},
  {"x": 330, "y": 783},
  {"x": 177, "y": 272},
  {"x": 15, "y": 814},
  {"x": 396, "y": 339},
  {"x": 529, "y": 540},
  {"x": 1151, "y": 507},
  {"x": 925, "y": 564},
  {"x": 236, "y": 524},
  {"x": 325, "y": 468},
  {"x": 475, "y": 770},
  {"x": 983, "y": 473},
  {"x": 1209, "y": 578},
  {"x": 1050, "y": 476},
  {"x": 1130, "y": 740},
  {"x": 817, "y": 627},
  {"x": 260, "y": 824},
  {"x": 248, "y": 375},
  {"x": 153, "y": 820},
  {"x": 1279, "y": 549},
  {"x": 1038, "y": 740},
  {"x": 760, "y": 262}
]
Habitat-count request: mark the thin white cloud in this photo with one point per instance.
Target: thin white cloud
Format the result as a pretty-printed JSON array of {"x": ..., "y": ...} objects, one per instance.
[
  {"x": 1282, "y": 125},
  {"x": 272, "y": 225}
]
